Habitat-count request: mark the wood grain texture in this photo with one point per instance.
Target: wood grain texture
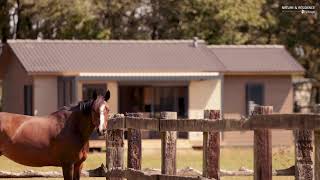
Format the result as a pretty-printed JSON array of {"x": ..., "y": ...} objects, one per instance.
[
  {"x": 211, "y": 148},
  {"x": 262, "y": 148},
  {"x": 136, "y": 174},
  {"x": 303, "y": 155},
  {"x": 142, "y": 123},
  {"x": 317, "y": 154},
  {"x": 115, "y": 150},
  {"x": 134, "y": 145},
  {"x": 316, "y": 135},
  {"x": 168, "y": 147},
  {"x": 267, "y": 121}
]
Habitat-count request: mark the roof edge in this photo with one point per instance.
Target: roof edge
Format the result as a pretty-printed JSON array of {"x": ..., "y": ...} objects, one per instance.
[
  {"x": 102, "y": 41},
  {"x": 124, "y": 74},
  {"x": 248, "y": 46},
  {"x": 265, "y": 73},
  {"x": 53, "y": 73}
]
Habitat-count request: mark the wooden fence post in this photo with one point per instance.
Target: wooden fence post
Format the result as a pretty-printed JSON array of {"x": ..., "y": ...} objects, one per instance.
[
  {"x": 211, "y": 148},
  {"x": 168, "y": 147},
  {"x": 303, "y": 155},
  {"x": 114, "y": 150},
  {"x": 134, "y": 145},
  {"x": 316, "y": 135},
  {"x": 262, "y": 148}
]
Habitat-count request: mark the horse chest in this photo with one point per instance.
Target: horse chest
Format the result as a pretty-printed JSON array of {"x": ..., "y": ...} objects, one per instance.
[{"x": 71, "y": 149}]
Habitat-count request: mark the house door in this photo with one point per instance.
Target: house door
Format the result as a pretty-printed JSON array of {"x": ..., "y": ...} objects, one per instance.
[{"x": 154, "y": 99}]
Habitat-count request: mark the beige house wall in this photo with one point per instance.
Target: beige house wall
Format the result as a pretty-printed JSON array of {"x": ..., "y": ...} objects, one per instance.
[
  {"x": 278, "y": 93},
  {"x": 14, "y": 79},
  {"x": 113, "y": 101},
  {"x": 203, "y": 95},
  {"x": 45, "y": 95},
  {"x": 111, "y": 85}
]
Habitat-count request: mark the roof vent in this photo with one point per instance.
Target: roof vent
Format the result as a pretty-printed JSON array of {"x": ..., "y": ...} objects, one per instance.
[
  {"x": 40, "y": 36},
  {"x": 195, "y": 41}
]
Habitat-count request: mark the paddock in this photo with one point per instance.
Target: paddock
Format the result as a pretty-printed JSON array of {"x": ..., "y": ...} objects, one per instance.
[{"x": 261, "y": 122}]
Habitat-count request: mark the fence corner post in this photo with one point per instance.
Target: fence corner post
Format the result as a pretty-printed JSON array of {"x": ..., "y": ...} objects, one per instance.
[
  {"x": 114, "y": 150},
  {"x": 316, "y": 135},
  {"x": 134, "y": 145},
  {"x": 262, "y": 148},
  {"x": 303, "y": 155},
  {"x": 211, "y": 148},
  {"x": 168, "y": 147}
]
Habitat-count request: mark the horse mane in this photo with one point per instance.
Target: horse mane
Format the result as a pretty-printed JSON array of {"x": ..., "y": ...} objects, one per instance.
[{"x": 85, "y": 106}]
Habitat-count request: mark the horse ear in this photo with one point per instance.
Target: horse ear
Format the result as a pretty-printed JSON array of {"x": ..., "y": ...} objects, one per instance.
[
  {"x": 94, "y": 95},
  {"x": 107, "y": 96}
]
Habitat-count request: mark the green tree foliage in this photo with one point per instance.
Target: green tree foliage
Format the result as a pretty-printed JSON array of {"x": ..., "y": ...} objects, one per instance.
[
  {"x": 300, "y": 33},
  {"x": 216, "y": 21},
  {"x": 4, "y": 18}
]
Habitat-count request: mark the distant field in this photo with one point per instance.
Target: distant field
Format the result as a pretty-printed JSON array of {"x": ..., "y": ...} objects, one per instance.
[{"x": 231, "y": 159}]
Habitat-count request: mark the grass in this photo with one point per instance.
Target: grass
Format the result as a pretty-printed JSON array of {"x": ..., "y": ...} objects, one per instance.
[{"x": 232, "y": 158}]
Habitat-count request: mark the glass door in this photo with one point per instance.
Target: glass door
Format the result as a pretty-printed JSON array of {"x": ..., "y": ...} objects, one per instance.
[{"x": 151, "y": 100}]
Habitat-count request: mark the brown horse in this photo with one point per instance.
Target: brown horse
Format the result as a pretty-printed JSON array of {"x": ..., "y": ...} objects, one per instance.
[{"x": 60, "y": 139}]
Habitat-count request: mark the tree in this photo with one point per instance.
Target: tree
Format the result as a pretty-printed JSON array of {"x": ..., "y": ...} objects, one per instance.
[{"x": 4, "y": 19}]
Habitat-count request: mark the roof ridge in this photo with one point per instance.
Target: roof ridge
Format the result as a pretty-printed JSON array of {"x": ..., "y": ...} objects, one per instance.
[
  {"x": 248, "y": 46},
  {"x": 101, "y": 41}
]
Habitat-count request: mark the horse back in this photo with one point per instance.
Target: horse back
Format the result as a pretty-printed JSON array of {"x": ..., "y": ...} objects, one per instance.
[{"x": 10, "y": 122}]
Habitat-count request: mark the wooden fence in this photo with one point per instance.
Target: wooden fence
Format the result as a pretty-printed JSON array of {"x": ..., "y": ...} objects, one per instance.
[{"x": 261, "y": 122}]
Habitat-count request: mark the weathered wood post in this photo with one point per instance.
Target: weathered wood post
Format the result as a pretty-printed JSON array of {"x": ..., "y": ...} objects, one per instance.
[
  {"x": 303, "y": 155},
  {"x": 211, "y": 148},
  {"x": 114, "y": 149},
  {"x": 262, "y": 148},
  {"x": 168, "y": 146},
  {"x": 317, "y": 147},
  {"x": 134, "y": 145}
]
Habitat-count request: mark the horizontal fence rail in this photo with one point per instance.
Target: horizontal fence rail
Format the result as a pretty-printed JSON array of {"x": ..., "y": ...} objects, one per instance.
[
  {"x": 271, "y": 121},
  {"x": 261, "y": 122}
]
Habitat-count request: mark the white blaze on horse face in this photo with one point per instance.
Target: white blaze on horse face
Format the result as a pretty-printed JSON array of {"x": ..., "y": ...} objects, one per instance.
[{"x": 102, "y": 118}]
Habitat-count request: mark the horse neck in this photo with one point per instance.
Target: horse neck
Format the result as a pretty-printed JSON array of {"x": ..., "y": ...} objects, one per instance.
[{"x": 83, "y": 126}]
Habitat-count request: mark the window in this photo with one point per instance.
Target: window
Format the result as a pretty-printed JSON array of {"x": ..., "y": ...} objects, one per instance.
[
  {"x": 88, "y": 89},
  {"x": 28, "y": 104},
  {"x": 66, "y": 91},
  {"x": 254, "y": 93}
]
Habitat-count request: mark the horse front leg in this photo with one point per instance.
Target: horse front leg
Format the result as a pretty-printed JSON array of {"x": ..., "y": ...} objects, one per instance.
[
  {"x": 67, "y": 169},
  {"x": 77, "y": 170}
]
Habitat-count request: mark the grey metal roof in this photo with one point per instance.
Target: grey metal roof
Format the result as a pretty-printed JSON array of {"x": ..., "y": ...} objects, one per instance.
[
  {"x": 115, "y": 56},
  {"x": 256, "y": 58}
]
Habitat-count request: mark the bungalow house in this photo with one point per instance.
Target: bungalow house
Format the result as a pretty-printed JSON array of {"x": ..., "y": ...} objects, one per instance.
[
  {"x": 40, "y": 76},
  {"x": 185, "y": 76}
]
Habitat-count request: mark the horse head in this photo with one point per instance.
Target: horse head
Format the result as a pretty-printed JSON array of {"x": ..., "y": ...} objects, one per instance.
[{"x": 100, "y": 112}]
